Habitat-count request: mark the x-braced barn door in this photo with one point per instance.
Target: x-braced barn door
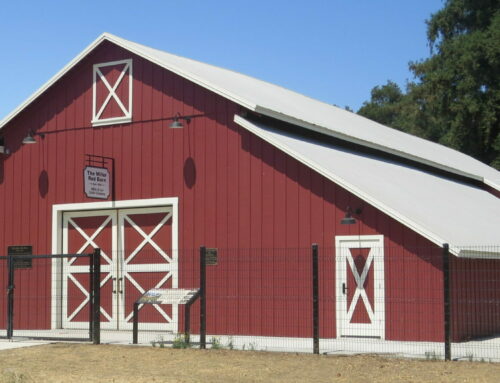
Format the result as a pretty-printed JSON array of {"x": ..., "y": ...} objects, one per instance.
[
  {"x": 137, "y": 255},
  {"x": 360, "y": 286}
]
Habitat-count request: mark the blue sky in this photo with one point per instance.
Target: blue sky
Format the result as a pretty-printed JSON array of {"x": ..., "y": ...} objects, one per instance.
[{"x": 332, "y": 50}]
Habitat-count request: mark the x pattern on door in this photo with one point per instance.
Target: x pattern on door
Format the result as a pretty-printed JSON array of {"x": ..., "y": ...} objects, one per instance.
[
  {"x": 360, "y": 290},
  {"x": 167, "y": 266},
  {"x": 360, "y": 303},
  {"x": 84, "y": 231}
]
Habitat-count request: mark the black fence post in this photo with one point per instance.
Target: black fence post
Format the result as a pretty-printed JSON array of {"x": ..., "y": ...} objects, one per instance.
[
  {"x": 135, "y": 328},
  {"x": 10, "y": 297},
  {"x": 447, "y": 303},
  {"x": 96, "y": 305},
  {"x": 187, "y": 322},
  {"x": 203, "y": 318},
  {"x": 91, "y": 297},
  {"x": 315, "y": 291}
]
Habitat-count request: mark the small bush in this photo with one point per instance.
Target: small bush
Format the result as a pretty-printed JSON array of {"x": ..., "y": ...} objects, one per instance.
[
  {"x": 180, "y": 342},
  {"x": 216, "y": 343}
]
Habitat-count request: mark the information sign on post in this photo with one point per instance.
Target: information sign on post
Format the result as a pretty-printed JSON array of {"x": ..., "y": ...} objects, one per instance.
[
  {"x": 96, "y": 182},
  {"x": 16, "y": 251},
  {"x": 211, "y": 257}
]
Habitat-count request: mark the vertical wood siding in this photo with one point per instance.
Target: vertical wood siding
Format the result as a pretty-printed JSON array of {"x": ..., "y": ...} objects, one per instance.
[{"x": 235, "y": 192}]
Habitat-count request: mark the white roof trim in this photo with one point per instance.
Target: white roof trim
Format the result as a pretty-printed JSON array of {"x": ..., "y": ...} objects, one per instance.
[
  {"x": 119, "y": 42},
  {"x": 292, "y": 107},
  {"x": 368, "y": 144},
  {"x": 53, "y": 80}
]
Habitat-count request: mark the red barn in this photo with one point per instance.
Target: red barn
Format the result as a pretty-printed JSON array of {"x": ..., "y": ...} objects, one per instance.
[{"x": 259, "y": 173}]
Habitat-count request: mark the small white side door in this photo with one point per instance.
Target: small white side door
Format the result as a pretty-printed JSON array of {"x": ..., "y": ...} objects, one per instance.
[{"x": 360, "y": 298}]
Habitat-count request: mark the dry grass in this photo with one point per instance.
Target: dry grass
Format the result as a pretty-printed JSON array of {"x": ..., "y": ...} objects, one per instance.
[{"x": 108, "y": 363}]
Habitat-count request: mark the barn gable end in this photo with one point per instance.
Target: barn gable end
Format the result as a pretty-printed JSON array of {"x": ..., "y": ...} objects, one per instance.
[{"x": 235, "y": 190}]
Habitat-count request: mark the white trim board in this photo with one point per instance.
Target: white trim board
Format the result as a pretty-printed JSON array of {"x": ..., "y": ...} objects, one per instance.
[{"x": 57, "y": 236}]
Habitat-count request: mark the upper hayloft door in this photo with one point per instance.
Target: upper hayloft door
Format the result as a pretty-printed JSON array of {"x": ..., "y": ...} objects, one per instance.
[
  {"x": 112, "y": 93},
  {"x": 360, "y": 286}
]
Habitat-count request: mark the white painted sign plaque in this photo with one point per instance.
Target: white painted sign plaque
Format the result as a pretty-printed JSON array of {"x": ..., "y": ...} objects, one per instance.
[
  {"x": 168, "y": 296},
  {"x": 96, "y": 182}
]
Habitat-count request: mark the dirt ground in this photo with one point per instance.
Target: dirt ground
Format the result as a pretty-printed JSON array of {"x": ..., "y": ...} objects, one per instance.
[{"x": 110, "y": 363}]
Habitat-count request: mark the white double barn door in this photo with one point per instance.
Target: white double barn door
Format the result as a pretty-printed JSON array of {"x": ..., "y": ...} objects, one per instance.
[{"x": 136, "y": 255}]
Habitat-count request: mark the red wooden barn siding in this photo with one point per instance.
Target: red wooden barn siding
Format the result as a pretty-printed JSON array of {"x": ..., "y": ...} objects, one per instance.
[
  {"x": 475, "y": 298},
  {"x": 246, "y": 195}
]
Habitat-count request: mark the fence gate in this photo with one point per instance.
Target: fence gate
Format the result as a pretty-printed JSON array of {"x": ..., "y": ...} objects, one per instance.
[{"x": 30, "y": 292}]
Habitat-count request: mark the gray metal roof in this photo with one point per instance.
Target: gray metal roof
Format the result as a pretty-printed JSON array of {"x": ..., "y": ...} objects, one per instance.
[{"x": 440, "y": 209}]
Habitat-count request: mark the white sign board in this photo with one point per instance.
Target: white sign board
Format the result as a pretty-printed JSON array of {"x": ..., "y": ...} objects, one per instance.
[
  {"x": 96, "y": 182},
  {"x": 167, "y": 296}
]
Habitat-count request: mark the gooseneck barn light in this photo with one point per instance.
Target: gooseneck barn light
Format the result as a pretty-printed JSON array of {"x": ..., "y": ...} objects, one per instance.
[
  {"x": 177, "y": 124},
  {"x": 30, "y": 139},
  {"x": 349, "y": 219}
]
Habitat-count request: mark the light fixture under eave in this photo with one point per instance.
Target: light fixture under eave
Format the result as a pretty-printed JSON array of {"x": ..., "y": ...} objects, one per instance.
[
  {"x": 29, "y": 139},
  {"x": 176, "y": 124},
  {"x": 349, "y": 219}
]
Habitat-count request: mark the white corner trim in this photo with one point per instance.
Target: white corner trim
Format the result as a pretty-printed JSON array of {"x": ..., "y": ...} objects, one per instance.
[{"x": 346, "y": 185}]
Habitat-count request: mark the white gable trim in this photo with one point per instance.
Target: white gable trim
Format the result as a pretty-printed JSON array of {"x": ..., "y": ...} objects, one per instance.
[
  {"x": 108, "y": 37},
  {"x": 53, "y": 80}
]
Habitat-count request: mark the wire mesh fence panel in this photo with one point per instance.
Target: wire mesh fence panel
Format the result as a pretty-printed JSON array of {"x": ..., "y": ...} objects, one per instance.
[
  {"x": 372, "y": 297},
  {"x": 49, "y": 297},
  {"x": 475, "y": 305}
]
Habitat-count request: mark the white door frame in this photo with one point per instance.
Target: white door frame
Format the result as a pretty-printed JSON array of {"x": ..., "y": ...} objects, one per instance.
[
  {"x": 375, "y": 259},
  {"x": 57, "y": 238}
]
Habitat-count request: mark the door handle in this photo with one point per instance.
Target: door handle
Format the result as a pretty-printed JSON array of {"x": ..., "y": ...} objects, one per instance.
[
  {"x": 344, "y": 288},
  {"x": 120, "y": 290},
  {"x": 114, "y": 285}
]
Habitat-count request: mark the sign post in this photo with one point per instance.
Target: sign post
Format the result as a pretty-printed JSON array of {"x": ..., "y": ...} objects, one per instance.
[{"x": 97, "y": 181}]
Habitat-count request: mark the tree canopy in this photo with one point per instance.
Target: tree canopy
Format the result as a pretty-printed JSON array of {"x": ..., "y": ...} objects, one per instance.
[{"x": 455, "y": 98}]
